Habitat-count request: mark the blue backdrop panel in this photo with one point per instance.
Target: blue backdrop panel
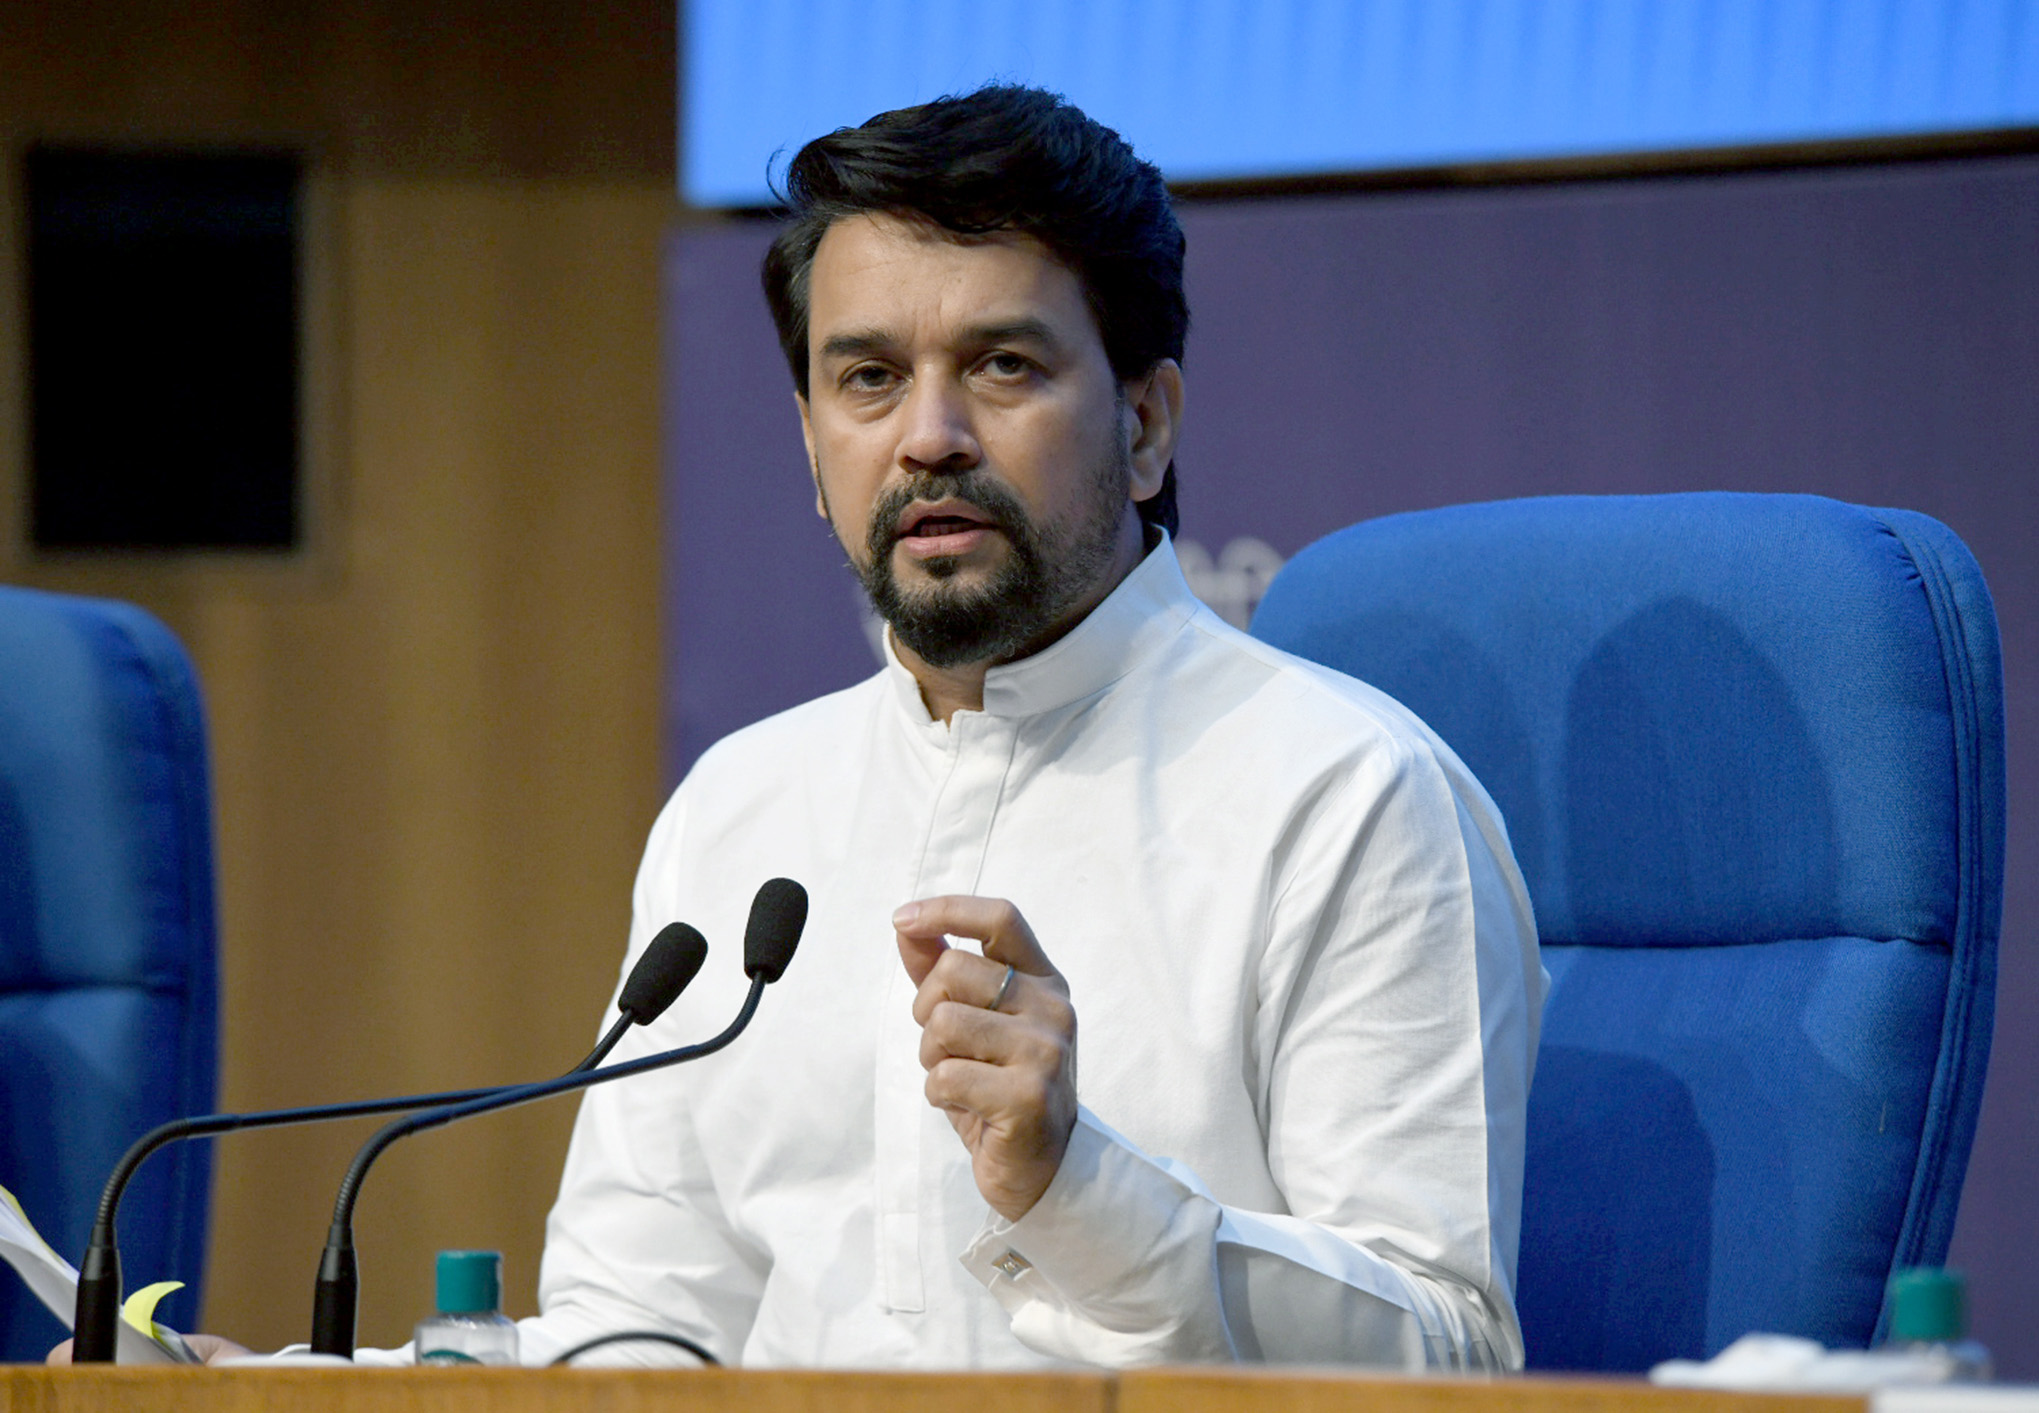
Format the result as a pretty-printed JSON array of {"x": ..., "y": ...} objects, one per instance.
[{"x": 1243, "y": 88}]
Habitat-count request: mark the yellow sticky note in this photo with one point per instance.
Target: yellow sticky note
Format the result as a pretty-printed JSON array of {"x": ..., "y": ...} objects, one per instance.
[{"x": 139, "y": 1309}]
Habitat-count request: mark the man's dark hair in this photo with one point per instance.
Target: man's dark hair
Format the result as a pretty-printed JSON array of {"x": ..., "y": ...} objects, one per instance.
[{"x": 1001, "y": 159}]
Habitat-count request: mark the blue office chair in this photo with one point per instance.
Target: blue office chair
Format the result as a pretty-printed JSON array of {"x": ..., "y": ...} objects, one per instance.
[
  {"x": 108, "y": 986},
  {"x": 1750, "y": 751}
]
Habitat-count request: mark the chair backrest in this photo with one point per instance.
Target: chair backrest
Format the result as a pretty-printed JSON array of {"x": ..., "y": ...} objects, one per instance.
[
  {"x": 1750, "y": 752},
  {"x": 108, "y": 953}
]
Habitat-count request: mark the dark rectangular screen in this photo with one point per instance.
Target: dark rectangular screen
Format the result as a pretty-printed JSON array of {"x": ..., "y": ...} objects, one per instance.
[{"x": 162, "y": 349}]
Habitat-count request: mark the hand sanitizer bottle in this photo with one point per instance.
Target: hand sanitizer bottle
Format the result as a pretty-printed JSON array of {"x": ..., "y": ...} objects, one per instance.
[
  {"x": 470, "y": 1327},
  {"x": 1929, "y": 1324}
]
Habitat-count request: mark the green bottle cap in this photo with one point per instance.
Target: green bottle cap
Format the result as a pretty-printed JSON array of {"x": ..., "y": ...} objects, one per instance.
[
  {"x": 470, "y": 1282},
  {"x": 1928, "y": 1303}
]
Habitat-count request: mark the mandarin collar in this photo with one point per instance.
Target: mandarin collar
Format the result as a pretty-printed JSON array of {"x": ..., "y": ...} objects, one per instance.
[{"x": 1135, "y": 621}]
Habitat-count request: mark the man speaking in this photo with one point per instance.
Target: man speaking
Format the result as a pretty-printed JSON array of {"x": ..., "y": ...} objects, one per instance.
[
  {"x": 1241, "y": 1070},
  {"x": 1163, "y": 997}
]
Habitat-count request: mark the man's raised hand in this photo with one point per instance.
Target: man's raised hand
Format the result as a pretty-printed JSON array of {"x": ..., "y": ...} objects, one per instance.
[{"x": 1006, "y": 1077}]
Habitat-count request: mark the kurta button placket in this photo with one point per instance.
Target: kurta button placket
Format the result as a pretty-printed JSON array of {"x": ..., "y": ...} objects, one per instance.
[{"x": 914, "y": 1141}]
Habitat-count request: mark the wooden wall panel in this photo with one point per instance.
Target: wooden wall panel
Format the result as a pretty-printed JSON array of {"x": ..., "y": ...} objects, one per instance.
[
  {"x": 435, "y": 736},
  {"x": 475, "y": 87},
  {"x": 435, "y": 781}
]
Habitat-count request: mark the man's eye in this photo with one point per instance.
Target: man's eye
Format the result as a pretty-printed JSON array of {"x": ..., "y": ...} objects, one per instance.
[
  {"x": 867, "y": 377},
  {"x": 1007, "y": 365}
]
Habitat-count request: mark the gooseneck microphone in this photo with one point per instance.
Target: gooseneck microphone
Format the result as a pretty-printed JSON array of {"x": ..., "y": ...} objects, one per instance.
[
  {"x": 661, "y": 974},
  {"x": 654, "y": 982},
  {"x": 777, "y": 916}
]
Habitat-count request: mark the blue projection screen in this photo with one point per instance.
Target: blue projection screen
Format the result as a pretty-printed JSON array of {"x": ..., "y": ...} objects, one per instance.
[{"x": 1246, "y": 89}]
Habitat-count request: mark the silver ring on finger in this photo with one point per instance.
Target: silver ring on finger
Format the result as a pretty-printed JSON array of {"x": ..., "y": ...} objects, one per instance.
[{"x": 1004, "y": 985}]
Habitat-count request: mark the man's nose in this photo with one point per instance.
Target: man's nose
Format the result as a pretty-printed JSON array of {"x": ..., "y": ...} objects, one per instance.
[{"x": 937, "y": 433}]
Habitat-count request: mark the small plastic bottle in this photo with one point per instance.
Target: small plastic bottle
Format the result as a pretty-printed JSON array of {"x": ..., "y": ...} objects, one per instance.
[
  {"x": 1929, "y": 1323},
  {"x": 470, "y": 1327}
]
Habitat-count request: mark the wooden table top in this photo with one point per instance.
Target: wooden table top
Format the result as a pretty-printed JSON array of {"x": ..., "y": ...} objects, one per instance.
[{"x": 34, "y": 1389}]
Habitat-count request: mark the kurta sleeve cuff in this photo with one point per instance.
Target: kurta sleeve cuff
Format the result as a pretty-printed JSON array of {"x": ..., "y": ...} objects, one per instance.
[{"x": 1113, "y": 1265}]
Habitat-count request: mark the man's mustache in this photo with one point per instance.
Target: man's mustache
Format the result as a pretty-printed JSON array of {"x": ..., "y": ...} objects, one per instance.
[{"x": 1000, "y": 508}]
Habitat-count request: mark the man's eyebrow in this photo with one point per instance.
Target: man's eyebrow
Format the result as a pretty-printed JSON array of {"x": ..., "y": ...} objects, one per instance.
[
  {"x": 855, "y": 345},
  {"x": 1010, "y": 331},
  {"x": 862, "y": 343}
]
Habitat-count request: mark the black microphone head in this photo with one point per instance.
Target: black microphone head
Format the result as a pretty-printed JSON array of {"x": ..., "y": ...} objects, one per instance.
[
  {"x": 662, "y": 973},
  {"x": 777, "y": 915}
]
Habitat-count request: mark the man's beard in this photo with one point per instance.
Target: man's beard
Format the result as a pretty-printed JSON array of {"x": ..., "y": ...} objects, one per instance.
[{"x": 1047, "y": 571}]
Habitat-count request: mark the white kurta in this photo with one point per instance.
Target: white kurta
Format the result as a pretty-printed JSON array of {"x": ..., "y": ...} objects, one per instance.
[{"x": 1305, "y": 974}]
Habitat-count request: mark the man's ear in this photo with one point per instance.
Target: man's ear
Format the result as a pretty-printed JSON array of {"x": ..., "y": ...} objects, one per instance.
[
  {"x": 813, "y": 463},
  {"x": 1153, "y": 425}
]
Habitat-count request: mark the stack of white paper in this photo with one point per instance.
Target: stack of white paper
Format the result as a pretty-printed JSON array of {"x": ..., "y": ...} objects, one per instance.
[{"x": 55, "y": 1282}]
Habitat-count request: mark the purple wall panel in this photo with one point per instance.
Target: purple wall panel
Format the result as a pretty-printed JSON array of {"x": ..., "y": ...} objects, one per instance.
[
  {"x": 761, "y": 612},
  {"x": 1866, "y": 333}
]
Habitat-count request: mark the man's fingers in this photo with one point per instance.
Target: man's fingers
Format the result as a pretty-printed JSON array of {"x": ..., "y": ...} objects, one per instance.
[
  {"x": 973, "y": 1033},
  {"x": 994, "y": 922},
  {"x": 968, "y": 980},
  {"x": 920, "y": 955},
  {"x": 998, "y": 1041},
  {"x": 209, "y": 1348},
  {"x": 213, "y": 1348},
  {"x": 998, "y": 1095}
]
